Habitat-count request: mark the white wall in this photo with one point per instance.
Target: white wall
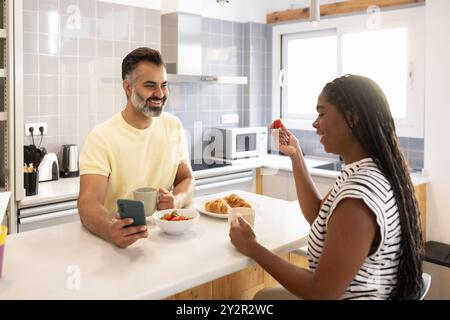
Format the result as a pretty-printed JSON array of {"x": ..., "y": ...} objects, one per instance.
[
  {"x": 437, "y": 117},
  {"x": 235, "y": 10}
]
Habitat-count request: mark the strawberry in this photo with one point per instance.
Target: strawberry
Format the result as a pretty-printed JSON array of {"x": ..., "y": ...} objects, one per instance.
[
  {"x": 167, "y": 217},
  {"x": 277, "y": 124}
]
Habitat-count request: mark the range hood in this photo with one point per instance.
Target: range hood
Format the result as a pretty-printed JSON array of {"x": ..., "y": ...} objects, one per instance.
[{"x": 182, "y": 50}]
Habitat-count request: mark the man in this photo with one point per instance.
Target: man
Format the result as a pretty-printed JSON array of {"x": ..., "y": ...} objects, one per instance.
[{"x": 138, "y": 147}]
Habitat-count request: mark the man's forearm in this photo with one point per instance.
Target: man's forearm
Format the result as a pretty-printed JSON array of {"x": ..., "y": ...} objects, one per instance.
[
  {"x": 183, "y": 192},
  {"x": 95, "y": 218}
]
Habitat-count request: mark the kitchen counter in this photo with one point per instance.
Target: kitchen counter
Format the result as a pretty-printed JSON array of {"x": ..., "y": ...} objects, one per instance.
[
  {"x": 66, "y": 189},
  {"x": 277, "y": 162},
  {"x": 63, "y": 189},
  {"x": 67, "y": 262}
]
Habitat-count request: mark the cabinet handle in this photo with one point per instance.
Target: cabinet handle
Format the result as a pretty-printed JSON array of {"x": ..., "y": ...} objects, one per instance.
[{"x": 222, "y": 184}]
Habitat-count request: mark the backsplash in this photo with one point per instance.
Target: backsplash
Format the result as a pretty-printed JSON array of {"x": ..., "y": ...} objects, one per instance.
[
  {"x": 229, "y": 49},
  {"x": 73, "y": 50}
]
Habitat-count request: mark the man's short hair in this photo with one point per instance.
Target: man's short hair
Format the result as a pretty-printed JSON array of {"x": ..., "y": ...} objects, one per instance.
[{"x": 130, "y": 62}]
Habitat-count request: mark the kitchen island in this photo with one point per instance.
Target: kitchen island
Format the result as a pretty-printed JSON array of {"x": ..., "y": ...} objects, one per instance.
[{"x": 68, "y": 262}]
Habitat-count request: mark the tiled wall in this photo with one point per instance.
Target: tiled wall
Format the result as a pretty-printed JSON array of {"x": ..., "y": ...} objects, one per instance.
[
  {"x": 72, "y": 63},
  {"x": 72, "y": 71},
  {"x": 413, "y": 148},
  {"x": 229, "y": 49},
  {"x": 222, "y": 54},
  {"x": 258, "y": 67},
  {"x": 72, "y": 67}
]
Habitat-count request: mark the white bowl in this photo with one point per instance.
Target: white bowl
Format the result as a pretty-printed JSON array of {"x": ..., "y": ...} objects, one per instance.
[{"x": 176, "y": 227}]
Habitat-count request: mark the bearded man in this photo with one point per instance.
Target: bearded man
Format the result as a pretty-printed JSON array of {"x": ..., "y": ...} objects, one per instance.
[{"x": 142, "y": 146}]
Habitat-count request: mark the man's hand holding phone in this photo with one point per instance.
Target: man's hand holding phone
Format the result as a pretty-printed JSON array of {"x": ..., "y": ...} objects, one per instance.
[
  {"x": 122, "y": 235},
  {"x": 129, "y": 224}
]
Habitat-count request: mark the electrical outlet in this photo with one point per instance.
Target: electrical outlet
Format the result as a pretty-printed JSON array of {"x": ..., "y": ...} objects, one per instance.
[
  {"x": 230, "y": 118},
  {"x": 35, "y": 127}
]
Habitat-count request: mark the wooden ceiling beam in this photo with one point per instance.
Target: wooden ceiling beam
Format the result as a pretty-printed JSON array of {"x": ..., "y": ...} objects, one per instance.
[{"x": 336, "y": 8}]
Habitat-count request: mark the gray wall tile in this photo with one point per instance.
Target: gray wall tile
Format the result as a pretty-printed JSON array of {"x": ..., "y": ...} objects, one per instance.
[
  {"x": 87, "y": 8},
  {"x": 48, "y": 44},
  {"x": 30, "y": 42},
  {"x": 31, "y": 5},
  {"x": 48, "y": 5},
  {"x": 227, "y": 28},
  {"x": 49, "y": 23},
  {"x": 68, "y": 7},
  {"x": 30, "y": 21},
  {"x": 30, "y": 63},
  {"x": 152, "y": 18}
]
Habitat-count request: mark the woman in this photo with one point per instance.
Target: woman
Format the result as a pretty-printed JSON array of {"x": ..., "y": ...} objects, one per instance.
[{"x": 365, "y": 239}]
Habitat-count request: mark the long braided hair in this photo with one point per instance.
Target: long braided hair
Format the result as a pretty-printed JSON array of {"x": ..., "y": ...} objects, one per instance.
[{"x": 375, "y": 131}]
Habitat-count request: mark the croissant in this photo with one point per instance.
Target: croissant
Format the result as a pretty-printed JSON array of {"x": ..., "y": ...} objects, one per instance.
[
  {"x": 235, "y": 201},
  {"x": 217, "y": 206}
]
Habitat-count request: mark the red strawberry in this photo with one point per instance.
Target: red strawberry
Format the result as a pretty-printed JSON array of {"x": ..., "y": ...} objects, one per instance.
[{"x": 277, "y": 124}]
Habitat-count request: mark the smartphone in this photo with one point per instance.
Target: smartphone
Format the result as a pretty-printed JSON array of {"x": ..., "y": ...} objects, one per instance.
[{"x": 132, "y": 209}]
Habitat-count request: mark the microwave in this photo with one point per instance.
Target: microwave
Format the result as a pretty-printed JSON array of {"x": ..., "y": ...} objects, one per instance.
[{"x": 238, "y": 143}]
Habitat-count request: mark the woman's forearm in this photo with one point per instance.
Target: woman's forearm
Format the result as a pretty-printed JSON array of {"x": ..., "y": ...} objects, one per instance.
[{"x": 307, "y": 194}]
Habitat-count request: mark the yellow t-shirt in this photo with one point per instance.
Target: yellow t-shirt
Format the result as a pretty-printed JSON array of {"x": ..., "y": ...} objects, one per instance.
[{"x": 132, "y": 158}]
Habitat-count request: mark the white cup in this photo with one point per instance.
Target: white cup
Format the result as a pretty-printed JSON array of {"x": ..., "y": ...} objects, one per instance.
[
  {"x": 275, "y": 142},
  {"x": 247, "y": 213},
  {"x": 150, "y": 198}
]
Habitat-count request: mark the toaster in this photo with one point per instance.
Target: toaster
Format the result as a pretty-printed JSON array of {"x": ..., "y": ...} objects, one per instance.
[{"x": 48, "y": 168}]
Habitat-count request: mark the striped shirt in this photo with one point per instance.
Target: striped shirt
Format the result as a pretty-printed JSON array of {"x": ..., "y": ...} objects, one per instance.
[{"x": 363, "y": 180}]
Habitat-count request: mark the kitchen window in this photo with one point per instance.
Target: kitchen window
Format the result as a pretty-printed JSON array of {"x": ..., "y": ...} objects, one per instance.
[{"x": 392, "y": 54}]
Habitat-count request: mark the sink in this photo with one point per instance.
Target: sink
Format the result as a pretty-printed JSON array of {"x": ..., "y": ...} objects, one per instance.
[
  {"x": 337, "y": 166},
  {"x": 333, "y": 166}
]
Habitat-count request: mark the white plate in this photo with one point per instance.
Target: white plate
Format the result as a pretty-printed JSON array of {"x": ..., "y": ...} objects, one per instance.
[{"x": 199, "y": 205}]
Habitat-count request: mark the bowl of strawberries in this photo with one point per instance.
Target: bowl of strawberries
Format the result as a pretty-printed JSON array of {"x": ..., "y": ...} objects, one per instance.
[{"x": 175, "y": 221}]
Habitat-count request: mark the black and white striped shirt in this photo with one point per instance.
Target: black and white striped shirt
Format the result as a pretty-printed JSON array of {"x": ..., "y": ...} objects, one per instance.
[{"x": 377, "y": 276}]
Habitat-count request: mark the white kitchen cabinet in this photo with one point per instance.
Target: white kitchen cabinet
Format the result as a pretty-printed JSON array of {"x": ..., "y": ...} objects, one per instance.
[
  {"x": 278, "y": 184},
  {"x": 281, "y": 184},
  {"x": 323, "y": 184}
]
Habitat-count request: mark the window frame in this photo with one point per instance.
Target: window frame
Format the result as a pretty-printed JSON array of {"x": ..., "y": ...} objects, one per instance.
[
  {"x": 411, "y": 18},
  {"x": 296, "y": 36}
]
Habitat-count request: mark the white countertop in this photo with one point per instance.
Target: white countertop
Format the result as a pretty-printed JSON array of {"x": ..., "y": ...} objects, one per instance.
[
  {"x": 68, "y": 188},
  {"x": 41, "y": 264},
  {"x": 62, "y": 189},
  {"x": 277, "y": 162}
]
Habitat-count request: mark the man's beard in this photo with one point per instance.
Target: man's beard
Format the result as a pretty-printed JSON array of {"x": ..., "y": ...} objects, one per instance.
[{"x": 141, "y": 104}]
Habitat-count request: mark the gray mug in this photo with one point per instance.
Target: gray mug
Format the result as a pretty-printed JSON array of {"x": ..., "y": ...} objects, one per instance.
[{"x": 149, "y": 196}]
